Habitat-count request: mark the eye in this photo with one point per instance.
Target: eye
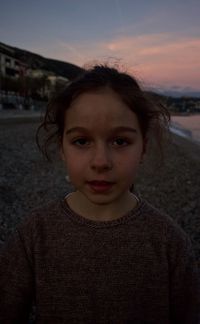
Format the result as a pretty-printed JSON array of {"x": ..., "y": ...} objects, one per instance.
[
  {"x": 120, "y": 141},
  {"x": 81, "y": 141}
]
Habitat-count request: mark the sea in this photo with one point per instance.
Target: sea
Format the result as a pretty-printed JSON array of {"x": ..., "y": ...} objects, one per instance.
[{"x": 186, "y": 126}]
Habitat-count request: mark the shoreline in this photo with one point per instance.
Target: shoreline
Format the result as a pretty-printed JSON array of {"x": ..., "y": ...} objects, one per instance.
[
  {"x": 186, "y": 126},
  {"x": 7, "y": 117},
  {"x": 190, "y": 146}
]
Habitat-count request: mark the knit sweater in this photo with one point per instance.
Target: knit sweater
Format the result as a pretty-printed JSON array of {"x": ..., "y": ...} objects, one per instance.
[{"x": 139, "y": 268}]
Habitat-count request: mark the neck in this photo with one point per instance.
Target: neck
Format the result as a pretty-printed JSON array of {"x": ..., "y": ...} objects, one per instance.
[{"x": 80, "y": 205}]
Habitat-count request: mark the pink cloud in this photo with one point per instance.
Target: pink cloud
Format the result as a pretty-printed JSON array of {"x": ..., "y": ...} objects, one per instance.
[{"x": 159, "y": 58}]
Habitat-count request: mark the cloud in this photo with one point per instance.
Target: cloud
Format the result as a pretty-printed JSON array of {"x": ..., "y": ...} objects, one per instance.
[{"x": 159, "y": 58}]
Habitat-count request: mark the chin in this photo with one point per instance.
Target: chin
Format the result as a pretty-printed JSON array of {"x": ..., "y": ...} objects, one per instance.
[{"x": 102, "y": 200}]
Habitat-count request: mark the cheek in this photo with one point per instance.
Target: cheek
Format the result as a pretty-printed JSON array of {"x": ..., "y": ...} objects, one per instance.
[
  {"x": 128, "y": 166},
  {"x": 132, "y": 158},
  {"x": 73, "y": 171},
  {"x": 131, "y": 166},
  {"x": 74, "y": 165}
]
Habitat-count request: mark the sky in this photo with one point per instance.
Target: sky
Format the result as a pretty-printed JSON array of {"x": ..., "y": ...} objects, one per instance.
[{"x": 156, "y": 40}]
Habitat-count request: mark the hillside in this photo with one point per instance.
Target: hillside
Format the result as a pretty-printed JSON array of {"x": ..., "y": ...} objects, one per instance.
[{"x": 36, "y": 61}]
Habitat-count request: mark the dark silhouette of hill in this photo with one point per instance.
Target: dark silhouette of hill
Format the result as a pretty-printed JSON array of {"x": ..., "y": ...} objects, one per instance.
[{"x": 35, "y": 61}]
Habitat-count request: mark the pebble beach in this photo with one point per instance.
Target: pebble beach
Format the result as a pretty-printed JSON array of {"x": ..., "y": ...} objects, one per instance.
[{"x": 27, "y": 180}]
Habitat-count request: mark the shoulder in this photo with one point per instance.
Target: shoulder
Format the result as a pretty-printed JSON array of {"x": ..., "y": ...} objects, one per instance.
[
  {"x": 161, "y": 227},
  {"x": 42, "y": 212},
  {"x": 167, "y": 238},
  {"x": 39, "y": 229},
  {"x": 160, "y": 221},
  {"x": 40, "y": 220}
]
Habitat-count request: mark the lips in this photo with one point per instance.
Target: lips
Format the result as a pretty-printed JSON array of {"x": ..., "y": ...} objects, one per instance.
[{"x": 100, "y": 186}]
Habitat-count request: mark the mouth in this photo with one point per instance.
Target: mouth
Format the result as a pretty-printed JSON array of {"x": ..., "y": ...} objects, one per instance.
[{"x": 100, "y": 186}]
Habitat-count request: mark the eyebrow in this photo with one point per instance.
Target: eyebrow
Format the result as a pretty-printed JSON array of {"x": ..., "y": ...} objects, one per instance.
[{"x": 115, "y": 129}]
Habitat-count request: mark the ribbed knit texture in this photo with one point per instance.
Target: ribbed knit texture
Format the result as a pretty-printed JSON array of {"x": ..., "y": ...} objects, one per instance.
[{"x": 139, "y": 268}]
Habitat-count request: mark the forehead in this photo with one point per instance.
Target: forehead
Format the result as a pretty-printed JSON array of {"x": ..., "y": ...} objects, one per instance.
[{"x": 103, "y": 107}]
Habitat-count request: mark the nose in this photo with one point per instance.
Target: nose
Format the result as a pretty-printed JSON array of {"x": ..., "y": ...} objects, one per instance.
[{"x": 101, "y": 158}]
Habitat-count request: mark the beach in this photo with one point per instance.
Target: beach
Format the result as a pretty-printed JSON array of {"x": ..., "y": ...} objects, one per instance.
[
  {"x": 186, "y": 126},
  {"x": 27, "y": 180}
]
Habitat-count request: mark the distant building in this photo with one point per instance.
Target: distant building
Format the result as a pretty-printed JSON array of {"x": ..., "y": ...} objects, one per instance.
[
  {"x": 56, "y": 78},
  {"x": 184, "y": 104},
  {"x": 36, "y": 73},
  {"x": 9, "y": 66},
  {"x": 22, "y": 83}
]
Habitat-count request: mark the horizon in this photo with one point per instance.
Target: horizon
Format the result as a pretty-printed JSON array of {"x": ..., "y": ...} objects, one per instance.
[{"x": 158, "y": 42}]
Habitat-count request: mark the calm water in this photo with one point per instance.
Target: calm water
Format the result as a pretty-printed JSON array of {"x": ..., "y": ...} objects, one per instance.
[{"x": 186, "y": 126}]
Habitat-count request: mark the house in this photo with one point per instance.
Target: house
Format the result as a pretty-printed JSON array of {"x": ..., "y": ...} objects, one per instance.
[{"x": 10, "y": 67}]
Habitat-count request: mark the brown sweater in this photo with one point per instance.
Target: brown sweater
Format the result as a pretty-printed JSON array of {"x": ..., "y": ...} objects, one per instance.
[{"x": 139, "y": 268}]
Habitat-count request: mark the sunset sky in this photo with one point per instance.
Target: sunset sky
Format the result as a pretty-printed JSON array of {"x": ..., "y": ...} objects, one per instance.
[{"x": 157, "y": 40}]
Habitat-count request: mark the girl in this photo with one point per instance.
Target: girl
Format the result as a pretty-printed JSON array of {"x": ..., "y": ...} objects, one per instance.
[{"x": 101, "y": 254}]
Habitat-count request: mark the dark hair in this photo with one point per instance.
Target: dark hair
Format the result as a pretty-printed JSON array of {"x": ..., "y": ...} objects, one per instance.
[{"x": 152, "y": 115}]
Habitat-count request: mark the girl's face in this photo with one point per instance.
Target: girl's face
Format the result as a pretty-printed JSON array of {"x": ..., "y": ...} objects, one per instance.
[{"x": 102, "y": 146}]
